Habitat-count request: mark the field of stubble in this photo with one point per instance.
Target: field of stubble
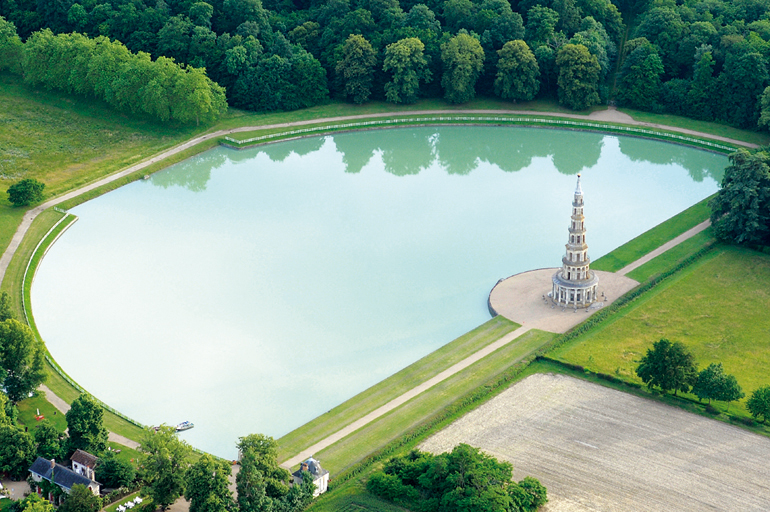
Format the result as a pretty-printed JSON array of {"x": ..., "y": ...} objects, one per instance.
[{"x": 595, "y": 448}]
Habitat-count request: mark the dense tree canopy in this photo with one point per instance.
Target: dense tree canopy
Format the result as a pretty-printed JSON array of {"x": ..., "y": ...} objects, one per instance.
[
  {"x": 705, "y": 59},
  {"x": 463, "y": 59},
  {"x": 163, "y": 465},
  {"x": 517, "y": 72},
  {"x": 21, "y": 360},
  {"x": 25, "y": 192},
  {"x": 17, "y": 451},
  {"x": 85, "y": 423},
  {"x": 80, "y": 499},
  {"x": 578, "y": 77},
  {"x": 206, "y": 486},
  {"x": 465, "y": 479},
  {"x": 669, "y": 366},
  {"x": 740, "y": 212},
  {"x": 113, "y": 472},
  {"x": 263, "y": 486},
  {"x": 714, "y": 384}
]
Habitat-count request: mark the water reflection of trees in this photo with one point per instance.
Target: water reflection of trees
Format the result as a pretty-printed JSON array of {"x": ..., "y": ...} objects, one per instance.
[
  {"x": 193, "y": 174},
  {"x": 699, "y": 164},
  {"x": 459, "y": 151}
]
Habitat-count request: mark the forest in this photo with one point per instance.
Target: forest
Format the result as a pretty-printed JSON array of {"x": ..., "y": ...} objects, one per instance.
[{"x": 704, "y": 59}]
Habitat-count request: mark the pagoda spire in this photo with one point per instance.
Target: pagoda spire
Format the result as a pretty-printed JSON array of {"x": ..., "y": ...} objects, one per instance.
[{"x": 575, "y": 284}]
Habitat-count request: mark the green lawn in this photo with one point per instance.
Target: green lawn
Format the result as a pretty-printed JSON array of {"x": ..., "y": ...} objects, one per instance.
[
  {"x": 653, "y": 238},
  {"x": 394, "y": 386},
  {"x": 28, "y": 410},
  {"x": 430, "y": 403},
  {"x": 717, "y": 307}
]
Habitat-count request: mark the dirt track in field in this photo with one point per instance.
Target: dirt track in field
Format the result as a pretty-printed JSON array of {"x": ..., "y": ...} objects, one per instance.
[{"x": 595, "y": 448}]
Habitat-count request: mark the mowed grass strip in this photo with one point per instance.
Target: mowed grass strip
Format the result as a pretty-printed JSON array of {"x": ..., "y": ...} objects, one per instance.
[
  {"x": 653, "y": 238},
  {"x": 717, "y": 308},
  {"x": 673, "y": 256},
  {"x": 393, "y": 387},
  {"x": 395, "y": 424}
]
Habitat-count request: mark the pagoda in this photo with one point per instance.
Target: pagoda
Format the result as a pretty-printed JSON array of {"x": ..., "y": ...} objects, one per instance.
[{"x": 574, "y": 285}]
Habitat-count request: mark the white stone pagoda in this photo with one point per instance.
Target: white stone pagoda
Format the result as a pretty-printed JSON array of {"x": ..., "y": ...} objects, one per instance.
[{"x": 575, "y": 284}]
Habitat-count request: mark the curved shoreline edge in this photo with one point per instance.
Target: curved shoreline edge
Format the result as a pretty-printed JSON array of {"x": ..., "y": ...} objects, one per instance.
[{"x": 610, "y": 115}]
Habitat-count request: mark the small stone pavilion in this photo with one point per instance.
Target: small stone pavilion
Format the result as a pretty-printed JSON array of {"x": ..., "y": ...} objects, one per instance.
[{"x": 574, "y": 285}]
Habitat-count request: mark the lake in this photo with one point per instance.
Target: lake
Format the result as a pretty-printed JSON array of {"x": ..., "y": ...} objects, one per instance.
[{"x": 250, "y": 291}]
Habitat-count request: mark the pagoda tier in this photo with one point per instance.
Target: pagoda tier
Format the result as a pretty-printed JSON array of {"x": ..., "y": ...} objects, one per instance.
[{"x": 575, "y": 284}]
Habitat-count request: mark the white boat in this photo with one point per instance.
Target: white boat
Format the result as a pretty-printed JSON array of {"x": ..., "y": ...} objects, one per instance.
[{"x": 185, "y": 425}]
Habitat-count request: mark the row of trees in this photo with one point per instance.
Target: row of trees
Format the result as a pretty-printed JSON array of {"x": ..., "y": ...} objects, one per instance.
[
  {"x": 671, "y": 367},
  {"x": 107, "y": 70},
  {"x": 464, "y": 479}
]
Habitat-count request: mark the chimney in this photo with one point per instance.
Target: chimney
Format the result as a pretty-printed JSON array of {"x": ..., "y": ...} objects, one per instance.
[
  {"x": 53, "y": 463},
  {"x": 304, "y": 466}
]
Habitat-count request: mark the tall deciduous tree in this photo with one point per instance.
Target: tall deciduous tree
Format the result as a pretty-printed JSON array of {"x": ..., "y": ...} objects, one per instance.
[
  {"x": 669, "y": 366},
  {"x": 355, "y": 70},
  {"x": 206, "y": 486},
  {"x": 49, "y": 441},
  {"x": 406, "y": 61},
  {"x": 578, "y": 77},
  {"x": 463, "y": 59},
  {"x": 113, "y": 472},
  {"x": 85, "y": 423},
  {"x": 17, "y": 451},
  {"x": 163, "y": 465},
  {"x": 639, "y": 84},
  {"x": 740, "y": 212},
  {"x": 758, "y": 403},
  {"x": 22, "y": 359},
  {"x": 517, "y": 72}
]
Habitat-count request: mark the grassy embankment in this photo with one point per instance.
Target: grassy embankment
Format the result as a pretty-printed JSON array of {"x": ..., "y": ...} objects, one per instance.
[
  {"x": 69, "y": 142},
  {"x": 352, "y": 495}
]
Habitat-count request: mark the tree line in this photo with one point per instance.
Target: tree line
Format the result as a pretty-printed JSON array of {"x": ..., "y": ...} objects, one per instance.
[
  {"x": 293, "y": 54},
  {"x": 107, "y": 70},
  {"x": 670, "y": 366}
]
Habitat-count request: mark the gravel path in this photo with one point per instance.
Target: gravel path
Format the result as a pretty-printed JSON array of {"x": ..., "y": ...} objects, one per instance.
[
  {"x": 663, "y": 248},
  {"x": 598, "y": 449},
  {"x": 63, "y": 407}
]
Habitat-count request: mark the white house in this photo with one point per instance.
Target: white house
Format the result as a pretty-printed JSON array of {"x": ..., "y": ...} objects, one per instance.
[
  {"x": 320, "y": 476},
  {"x": 83, "y": 463},
  {"x": 65, "y": 478}
]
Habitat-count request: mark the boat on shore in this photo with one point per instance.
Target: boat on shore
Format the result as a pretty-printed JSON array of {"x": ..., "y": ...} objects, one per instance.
[{"x": 185, "y": 425}]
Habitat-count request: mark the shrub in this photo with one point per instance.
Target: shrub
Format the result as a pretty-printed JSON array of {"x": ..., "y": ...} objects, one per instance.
[{"x": 25, "y": 192}]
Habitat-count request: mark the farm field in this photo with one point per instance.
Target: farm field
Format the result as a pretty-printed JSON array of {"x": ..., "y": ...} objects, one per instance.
[
  {"x": 717, "y": 307},
  {"x": 596, "y": 448}
]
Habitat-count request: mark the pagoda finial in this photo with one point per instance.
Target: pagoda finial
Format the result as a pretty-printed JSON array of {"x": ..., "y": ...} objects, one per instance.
[{"x": 578, "y": 189}]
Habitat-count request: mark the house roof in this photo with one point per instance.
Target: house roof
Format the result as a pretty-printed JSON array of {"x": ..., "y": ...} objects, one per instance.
[
  {"x": 313, "y": 467},
  {"x": 63, "y": 477},
  {"x": 84, "y": 458}
]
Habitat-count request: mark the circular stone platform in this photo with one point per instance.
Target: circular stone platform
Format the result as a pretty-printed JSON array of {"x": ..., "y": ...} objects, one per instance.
[{"x": 523, "y": 298}]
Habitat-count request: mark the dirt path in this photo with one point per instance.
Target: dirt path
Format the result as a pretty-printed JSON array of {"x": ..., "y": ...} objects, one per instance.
[{"x": 63, "y": 407}]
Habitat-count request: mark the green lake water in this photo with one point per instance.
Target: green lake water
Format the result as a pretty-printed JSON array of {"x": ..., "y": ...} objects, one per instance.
[{"x": 250, "y": 291}]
